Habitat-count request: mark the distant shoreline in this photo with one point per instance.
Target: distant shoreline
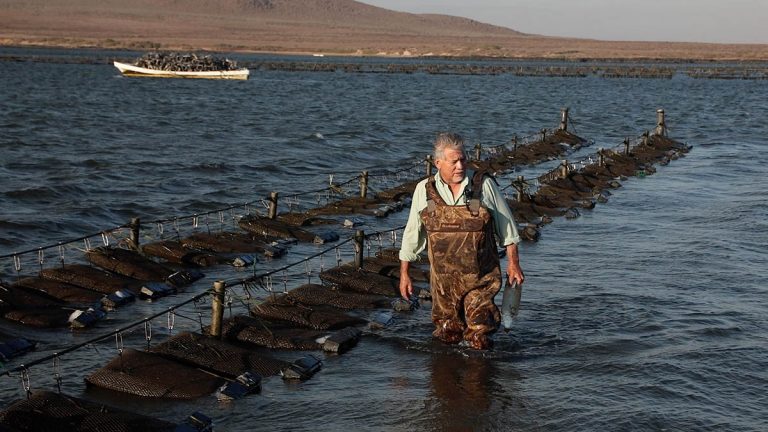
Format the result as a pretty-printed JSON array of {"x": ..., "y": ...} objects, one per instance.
[
  {"x": 479, "y": 57},
  {"x": 432, "y": 65}
]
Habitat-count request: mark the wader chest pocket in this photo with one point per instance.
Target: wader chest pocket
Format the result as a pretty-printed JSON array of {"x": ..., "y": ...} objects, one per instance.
[{"x": 465, "y": 225}]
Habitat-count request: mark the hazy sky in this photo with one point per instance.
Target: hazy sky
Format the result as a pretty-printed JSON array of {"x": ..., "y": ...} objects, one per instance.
[{"x": 739, "y": 21}]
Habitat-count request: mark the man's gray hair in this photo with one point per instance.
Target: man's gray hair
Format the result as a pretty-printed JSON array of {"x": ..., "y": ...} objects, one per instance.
[{"x": 448, "y": 140}]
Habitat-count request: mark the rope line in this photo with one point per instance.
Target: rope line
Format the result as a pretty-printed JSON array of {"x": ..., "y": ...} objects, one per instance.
[
  {"x": 103, "y": 234},
  {"x": 116, "y": 333},
  {"x": 198, "y": 299}
]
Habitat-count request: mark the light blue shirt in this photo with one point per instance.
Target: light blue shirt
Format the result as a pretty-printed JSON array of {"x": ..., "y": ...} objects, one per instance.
[{"x": 415, "y": 236}]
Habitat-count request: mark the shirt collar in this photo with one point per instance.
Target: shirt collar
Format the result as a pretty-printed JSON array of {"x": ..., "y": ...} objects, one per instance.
[
  {"x": 440, "y": 180},
  {"x": 445, "y": 190}
]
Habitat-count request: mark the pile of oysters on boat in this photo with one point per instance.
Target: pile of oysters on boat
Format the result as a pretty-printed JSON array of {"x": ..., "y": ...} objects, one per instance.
[{"x": 184, "y": 62}]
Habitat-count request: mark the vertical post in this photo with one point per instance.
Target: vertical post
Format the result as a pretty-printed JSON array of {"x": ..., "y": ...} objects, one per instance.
[
  {"x": 646, "y": 135},
  {"x": 661, "y": 124},
  {"x": 520, "y": 187},
  {"x": 626, "y": 146},
  {"x": 217, "y": 308},
  {"x": 478, "y": 151},
  {"x": 364, "y": 184},
  {"x": 135, "y": 227},
  {"x": 514, "y": 142},
  {"x": 359, "y": 243},
  {"x": 600, "y": 157},
  {"x": 428, "y": 165},
  {"x": 564, "y": 169},
  {"x": 543, "y": 134},
  {"x": 273, "y": 205},
  {"x": 564, "y": 120}
]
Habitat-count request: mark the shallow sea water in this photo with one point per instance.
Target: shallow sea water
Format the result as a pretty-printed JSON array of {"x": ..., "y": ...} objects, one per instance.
[{"x": 646, "y": 313}]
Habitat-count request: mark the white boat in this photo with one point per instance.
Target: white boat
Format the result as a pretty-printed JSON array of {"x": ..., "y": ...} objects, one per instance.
[{"x": 136, "y": 71}]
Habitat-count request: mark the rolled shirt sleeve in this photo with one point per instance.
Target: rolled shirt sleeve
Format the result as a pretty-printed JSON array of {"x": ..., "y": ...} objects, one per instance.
[
  {"x": 414, "y": 236},
  {"x": 503, "y": 221}
]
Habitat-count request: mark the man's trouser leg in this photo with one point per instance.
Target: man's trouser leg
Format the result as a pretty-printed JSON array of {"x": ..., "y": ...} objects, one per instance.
[
  {"x": 480, "y": 313},
  {"x": 447, "y": 311}
]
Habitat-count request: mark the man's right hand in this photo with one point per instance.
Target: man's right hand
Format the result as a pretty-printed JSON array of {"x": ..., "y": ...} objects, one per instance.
[{"x": 406, "y": 285}]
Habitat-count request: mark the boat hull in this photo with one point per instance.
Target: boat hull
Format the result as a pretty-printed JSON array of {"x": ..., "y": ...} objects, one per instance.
[{"x": 135, "y": 71}]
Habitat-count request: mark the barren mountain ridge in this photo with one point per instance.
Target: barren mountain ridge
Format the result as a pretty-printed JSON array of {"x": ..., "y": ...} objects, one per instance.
[{"x": 344, "y": 27}]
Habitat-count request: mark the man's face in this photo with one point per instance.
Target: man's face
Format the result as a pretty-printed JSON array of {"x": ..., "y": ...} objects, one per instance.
[{"x": 452, "y": 166}]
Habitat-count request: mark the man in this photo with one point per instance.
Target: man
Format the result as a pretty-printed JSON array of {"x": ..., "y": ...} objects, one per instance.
[{"x": 457, "y": 217}]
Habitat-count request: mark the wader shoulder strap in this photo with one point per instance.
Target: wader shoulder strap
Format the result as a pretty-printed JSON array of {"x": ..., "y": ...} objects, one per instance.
[
  {"x": 433, "y": 197},
  {"x": 475, "y": 188},
  {"x": 477, "y": 181},
  {"x": 475, "y": 191}
]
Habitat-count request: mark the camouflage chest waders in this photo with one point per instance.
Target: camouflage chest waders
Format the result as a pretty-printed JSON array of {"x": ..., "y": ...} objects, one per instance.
[{"x": 465, "y": 273}]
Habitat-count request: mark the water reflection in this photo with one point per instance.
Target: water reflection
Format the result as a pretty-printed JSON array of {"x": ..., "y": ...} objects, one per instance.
[{"x": 462, "y": 392}]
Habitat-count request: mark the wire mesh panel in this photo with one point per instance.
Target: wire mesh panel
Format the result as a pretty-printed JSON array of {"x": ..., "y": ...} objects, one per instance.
[
  {"x": 64, "y": 292},
  {"x": 19, "y": 298},
  {"x": 217, "y": 356},
  {"x": 48, "y": 411},
  {"x": 277, "y": 228},
  {"x": 389, "y": 269},
  {"x": 349, "y": 278},
  {"x": 151, "y": 375},
  {"x": 390, "y": 255},
  {"x": 91, "y": 278},
  {"x": 128, "y": 263},
  {"x": 51, "y": 317},
  {"x": 32, "y": 309},
  {"x": 315, "y": 295},
  {"x": 272, "y": 334},
  {"x": 175, "y": 252},
  {"x": 282, "y": 308},
  {"x": 228, "y": 242}
]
